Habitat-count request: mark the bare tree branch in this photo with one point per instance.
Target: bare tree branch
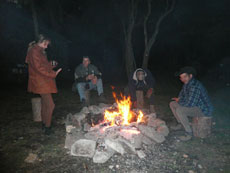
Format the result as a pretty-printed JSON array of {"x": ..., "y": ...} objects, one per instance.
[
  {"x": 161, "y": 18},
  {"x": 145, "y": 22},
  {"x": 151, "y": 41}
]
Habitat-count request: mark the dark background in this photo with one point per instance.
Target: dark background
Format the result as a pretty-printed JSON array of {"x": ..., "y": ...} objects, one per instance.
[{"x": 196, "y": 33}]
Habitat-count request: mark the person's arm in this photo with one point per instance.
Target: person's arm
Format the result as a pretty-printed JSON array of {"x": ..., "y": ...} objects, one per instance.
[
  {"x": 53, "y": 64},
  {"x": 78, "y": 75},
  {"x": 181, "y": 94},
  {"x": 36, "y": 63},
  {"x": 151, "y": 82},
  {"x": 193, "y": 97},
  {"x": 97, "y": 73},
  {"x": 180, "y": 97}
]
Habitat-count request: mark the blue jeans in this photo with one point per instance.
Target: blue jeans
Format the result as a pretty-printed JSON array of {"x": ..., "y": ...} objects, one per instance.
[{"x": 81, "y": 88}]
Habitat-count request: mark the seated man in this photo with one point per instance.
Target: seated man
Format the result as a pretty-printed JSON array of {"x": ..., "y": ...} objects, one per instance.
[
  {"x": 193, "y": 99},
  {"x": 142, "y": 79},
  {"x": 88, "y": 77}
]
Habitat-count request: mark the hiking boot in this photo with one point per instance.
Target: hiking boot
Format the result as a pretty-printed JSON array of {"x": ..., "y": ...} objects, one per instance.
[
  {"x": 186, "y": 137},
  {"x": 48, "y": 131},
  {"x": 102, "y": 98}
]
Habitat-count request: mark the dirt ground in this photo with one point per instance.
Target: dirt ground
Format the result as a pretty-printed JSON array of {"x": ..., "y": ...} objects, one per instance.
[{"x": 20, "y": 136}]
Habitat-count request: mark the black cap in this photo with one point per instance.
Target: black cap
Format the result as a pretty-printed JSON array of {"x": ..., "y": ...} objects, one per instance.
[{"x": 188, "y": 70}]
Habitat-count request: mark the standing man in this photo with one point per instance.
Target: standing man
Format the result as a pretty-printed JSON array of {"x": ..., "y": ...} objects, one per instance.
[
  {"x": 193, "y": 99},
  {"x": 42, "y": 78},
  {"x": 88, "y": 77},
  {"x": 142, "y": 79}
]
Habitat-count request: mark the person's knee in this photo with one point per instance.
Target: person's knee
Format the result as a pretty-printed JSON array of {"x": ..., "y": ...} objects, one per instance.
[
  {"x": 172, "y": 104},
  {"x": 99, "y": 81},
  {"x": 80, "y": 86},
  {"x": 179, "y": 112}
]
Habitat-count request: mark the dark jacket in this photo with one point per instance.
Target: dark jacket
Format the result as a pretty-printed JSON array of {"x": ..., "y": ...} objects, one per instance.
[
  {"x": 82, "y": 72},
  {"x": 135, "y": 84}
]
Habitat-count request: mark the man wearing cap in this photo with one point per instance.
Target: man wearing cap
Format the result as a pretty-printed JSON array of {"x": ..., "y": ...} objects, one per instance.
[
  {"x": 88, "y": 77},
  {"x": 193, "y": 99},
  {"x": 142, "y": 79}
]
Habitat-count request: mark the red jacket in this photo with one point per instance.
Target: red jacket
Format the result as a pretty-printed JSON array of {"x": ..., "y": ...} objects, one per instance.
[{"x": 41, "y": 74}]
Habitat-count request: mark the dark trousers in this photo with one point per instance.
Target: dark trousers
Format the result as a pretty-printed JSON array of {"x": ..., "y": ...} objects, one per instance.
[{"x": 47, "y": 107}]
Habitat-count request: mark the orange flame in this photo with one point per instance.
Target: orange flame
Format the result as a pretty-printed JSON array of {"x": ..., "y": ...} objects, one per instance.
[
  {"x": 124, "y": 113},
  {"x": 140, "y": 117}
]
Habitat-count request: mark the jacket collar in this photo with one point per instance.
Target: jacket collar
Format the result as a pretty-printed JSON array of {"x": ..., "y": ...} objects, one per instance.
[
  {"x": 38, "y": 47},
  {"x": 191, "y": 81}
]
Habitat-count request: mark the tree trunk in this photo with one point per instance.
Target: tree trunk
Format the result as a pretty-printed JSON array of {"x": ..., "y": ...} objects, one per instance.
[
  {"x": 128, "y": 31},
  {"x": 150, "y": 42},
  {"x": 35, "y": 20},
  {"x": 145, "y": 58},
  {"x": 129, "y": 55}
]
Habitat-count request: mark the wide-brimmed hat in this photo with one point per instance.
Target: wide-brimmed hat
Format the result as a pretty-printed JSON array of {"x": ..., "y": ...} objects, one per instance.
[{"x": 187, "y": 69}]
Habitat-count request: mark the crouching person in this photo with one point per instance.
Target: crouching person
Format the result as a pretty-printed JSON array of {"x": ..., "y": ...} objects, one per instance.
[
  {"x": 193, "y": 100},
  {"x": 143, "y": 80},
  {"x": 88, "y": 77}
]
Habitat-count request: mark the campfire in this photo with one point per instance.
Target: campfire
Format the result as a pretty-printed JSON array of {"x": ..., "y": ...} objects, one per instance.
[
  {"x": 100, "y": 131},
  {"x": 124, "y": 115},
  {"x": 121, "y": 117}
]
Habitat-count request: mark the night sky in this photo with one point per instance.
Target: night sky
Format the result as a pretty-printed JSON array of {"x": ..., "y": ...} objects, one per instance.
[{"x": 196, "y": 33}]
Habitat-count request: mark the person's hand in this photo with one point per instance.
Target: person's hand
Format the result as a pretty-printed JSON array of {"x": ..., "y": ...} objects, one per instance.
[
  {"x": 90, "y": 77},
  {"x": 54, "y": 63},
  {"x": 94, "y": 80},
  {"x": 149, "y": 92},
  {"x": 58, "y": 71},
  {"x": 176, "y": 99}
]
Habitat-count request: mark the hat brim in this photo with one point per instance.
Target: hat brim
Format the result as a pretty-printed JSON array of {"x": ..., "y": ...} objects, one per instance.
[{"x": 189, "y": 70}]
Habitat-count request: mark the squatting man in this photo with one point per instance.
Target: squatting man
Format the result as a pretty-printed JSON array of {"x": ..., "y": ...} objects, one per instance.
[{"x": 143, "y": 80}]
